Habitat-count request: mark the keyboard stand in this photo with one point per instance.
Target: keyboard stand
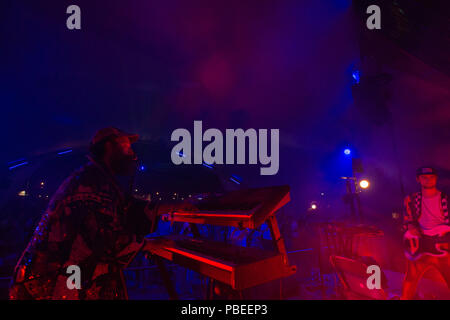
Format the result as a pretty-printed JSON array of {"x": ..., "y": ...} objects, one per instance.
[{"x": 236, "y": 268}]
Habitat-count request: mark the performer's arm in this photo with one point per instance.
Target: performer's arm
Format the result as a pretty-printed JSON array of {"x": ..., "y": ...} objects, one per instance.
[{"x": 142, "y": 216}]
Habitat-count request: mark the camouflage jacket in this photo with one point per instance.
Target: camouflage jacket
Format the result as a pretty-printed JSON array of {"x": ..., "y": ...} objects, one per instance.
[{"x": 88, "y": 223}]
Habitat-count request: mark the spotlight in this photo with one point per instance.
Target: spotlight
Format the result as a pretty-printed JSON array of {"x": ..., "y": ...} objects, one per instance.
[
  {"x": 314, "y": 206},
  {"x": 236, "y": 179},
  {"x": 64, "y": 152},
  {"x": 18, "y": 165},
  {"x": 210, "y": 166},
  {"x": 356, "y": 76},
  {"x": 364, "y": 184},
  {"x": 347, "y": 152}
]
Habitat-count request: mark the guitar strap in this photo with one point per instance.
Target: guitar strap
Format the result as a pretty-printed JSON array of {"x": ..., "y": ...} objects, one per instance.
[
  {"x": 444, "y": 204},
  {"x": 417, "y": 206}
]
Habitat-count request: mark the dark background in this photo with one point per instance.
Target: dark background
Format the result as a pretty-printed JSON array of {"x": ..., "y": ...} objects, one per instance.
[{"x": 153, "y": 66}]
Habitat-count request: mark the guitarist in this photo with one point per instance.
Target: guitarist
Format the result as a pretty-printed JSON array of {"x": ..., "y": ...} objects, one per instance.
[{"x": 424, "y": 211}]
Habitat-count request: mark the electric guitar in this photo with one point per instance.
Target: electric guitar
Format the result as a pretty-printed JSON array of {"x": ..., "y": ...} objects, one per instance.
[{"x": 434, "y": 242}]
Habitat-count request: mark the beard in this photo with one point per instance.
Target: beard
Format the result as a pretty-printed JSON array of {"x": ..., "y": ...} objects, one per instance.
[{"x": 124, "y": 165}]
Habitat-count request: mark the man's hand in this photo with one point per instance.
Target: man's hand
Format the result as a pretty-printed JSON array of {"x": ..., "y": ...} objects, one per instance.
[
  {"x": 413, "y": 231},
  {"x": 171, "y": 207},
  {"x": 412, "y": 235}
]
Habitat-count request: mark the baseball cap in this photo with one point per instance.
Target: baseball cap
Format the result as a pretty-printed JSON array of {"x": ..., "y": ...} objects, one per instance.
[
  {"x": 426, "y": 170},
  {"x": 112, "y": 132}
]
